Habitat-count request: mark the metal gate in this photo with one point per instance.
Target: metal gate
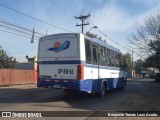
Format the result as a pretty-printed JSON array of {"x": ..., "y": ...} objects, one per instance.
[{"x": 13, "y": 76}]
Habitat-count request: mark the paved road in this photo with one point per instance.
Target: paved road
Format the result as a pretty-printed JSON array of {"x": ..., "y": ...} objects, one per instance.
[{"x": 139, "y": 95}]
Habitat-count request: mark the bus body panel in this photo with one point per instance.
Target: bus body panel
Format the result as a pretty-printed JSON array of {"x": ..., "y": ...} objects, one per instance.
[
  {"x": 59, "y": 47},
  {"x": 59, "y": 71},
  {"x": 59, "y": 57}
]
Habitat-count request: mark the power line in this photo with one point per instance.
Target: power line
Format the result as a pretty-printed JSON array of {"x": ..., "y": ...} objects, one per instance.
[
  {"x": 111, "y": 38},
  {"x": 18, "y": 31},
  {"x": 15, "y": 34},
  {"x": 116, "y": 42},
  {"x": 7, "y": 25},
  {"x": 18, "y": 26},
  {"x": 42, "y": 21},
  {"x": 82, "y": 18},
  {"x": 13, "y": 29}
]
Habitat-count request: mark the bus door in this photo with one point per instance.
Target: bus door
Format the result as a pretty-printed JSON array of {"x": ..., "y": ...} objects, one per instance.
[{"x": 95, "y": 66}]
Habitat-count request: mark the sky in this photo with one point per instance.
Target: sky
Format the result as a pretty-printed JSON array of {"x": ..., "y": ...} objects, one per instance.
[{"x": 116, "y": 18}]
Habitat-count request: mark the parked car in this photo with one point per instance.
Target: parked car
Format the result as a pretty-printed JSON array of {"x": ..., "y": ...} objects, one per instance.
[{"x": 157, "y": 77}]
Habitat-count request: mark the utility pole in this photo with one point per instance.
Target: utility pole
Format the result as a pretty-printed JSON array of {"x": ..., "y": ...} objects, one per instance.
[
  {"x": 83, "y": 18},
  {"x": 132, "y": 65},
  {"x": 2, "y": 53},
  {"x": 141, "y": 67}
]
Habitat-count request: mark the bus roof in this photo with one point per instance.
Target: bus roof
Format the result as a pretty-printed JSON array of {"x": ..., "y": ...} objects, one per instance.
[{"x": 102, "y": 43}]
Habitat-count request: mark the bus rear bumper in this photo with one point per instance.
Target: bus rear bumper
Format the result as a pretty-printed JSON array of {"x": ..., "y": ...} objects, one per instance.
[
  {"x": 88, "y": 85},
  {"x": 78, "y": 85}
]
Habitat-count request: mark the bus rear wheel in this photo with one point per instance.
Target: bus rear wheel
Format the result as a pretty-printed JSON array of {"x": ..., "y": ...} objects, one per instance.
[
  {"x": 123, "y": 85},
  {"x": 103, "y": 91}
]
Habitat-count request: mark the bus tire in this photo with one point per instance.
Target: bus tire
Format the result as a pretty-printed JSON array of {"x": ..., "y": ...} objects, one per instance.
[
  {"x": 123, "y": 85},
  {"x": 103, "y": 91}
]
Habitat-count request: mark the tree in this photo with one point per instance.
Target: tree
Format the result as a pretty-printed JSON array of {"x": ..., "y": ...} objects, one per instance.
[
  {"x": 146, "y": 39},
  {"x": 91, "y": 35},
  {"x": 147, "y": 35},
  {"x": 95, "y": 36},
  {"x": 152, "y": 61},
  {"x": 139, "y": 66},
  {"x": 127, "y": 56},
  {"x": 5, "y": 60}
]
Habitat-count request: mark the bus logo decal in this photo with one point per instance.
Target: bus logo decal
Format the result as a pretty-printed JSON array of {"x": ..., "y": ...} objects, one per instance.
[{"x": 58, "y": 47}]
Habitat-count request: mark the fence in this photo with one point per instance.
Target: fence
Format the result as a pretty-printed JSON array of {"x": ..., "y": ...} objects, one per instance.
[{"x": 13, "y": 76}]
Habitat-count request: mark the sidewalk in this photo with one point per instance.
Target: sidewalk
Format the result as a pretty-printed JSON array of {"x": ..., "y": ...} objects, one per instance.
[
  {"x": 17, "y": 90},
  {"x": 21, "y": 86}
]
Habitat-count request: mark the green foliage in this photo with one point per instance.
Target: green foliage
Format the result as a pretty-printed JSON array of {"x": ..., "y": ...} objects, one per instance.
[
  {"x": 152, "y": 61},
  {"x": 95, "y": 36},
  {"x": 155, "y": 46},
  {"x": 127, "y": 56},
  {"x": 138, "y": 66},
  {"x": 5, "y": 60},
  {"x": 91, "y": 35}
]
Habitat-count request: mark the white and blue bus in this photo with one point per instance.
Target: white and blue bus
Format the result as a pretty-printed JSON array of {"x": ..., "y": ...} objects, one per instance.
[{"x": 76, "y": 62}]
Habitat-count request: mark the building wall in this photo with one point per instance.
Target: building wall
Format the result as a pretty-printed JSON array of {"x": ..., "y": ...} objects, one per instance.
[{"x": 25, "y": 66}]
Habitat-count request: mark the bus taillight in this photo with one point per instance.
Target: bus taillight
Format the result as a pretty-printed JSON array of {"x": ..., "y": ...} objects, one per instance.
[{"x": 80, "y": 72}]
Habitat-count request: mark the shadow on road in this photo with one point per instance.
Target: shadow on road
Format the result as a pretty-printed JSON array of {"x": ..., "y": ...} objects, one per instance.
[{"x": 123, "y": 99}]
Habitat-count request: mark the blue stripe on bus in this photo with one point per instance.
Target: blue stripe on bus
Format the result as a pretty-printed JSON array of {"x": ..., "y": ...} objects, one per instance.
[
  {"x": 84, "y": 85},
  {"x": 61, "y": 62}
]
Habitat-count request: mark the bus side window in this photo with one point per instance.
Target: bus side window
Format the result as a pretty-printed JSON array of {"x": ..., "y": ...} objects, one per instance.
[
  {"x": 121, "y": 61},
  {"x": 116, "y": 59},
  {"x": 88, "y": 51},
  {"x": 103, "y": 56},
  {"x": 112, "y": 58},
  {"x": 94, "y": 51},
  {"x": 108, "y": 57}
]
